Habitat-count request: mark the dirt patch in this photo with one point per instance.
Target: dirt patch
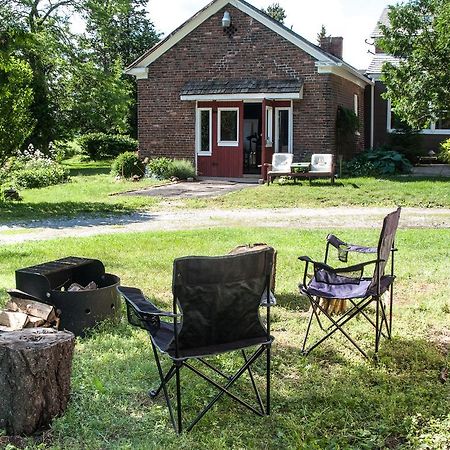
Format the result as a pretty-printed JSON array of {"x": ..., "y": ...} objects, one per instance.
[
  {"x": 194, "y": 189},
  {"x": 441, "y": 339}
]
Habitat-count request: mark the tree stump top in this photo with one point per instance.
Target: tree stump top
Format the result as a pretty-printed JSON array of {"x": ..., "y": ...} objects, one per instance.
[{"x": 33, "y": 339}]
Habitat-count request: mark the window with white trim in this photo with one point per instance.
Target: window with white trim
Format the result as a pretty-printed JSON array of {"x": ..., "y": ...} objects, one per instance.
[
  {"x": 283, "y": 130},
  {"x": 394, "y": 123},
  {"x": 356, "y": 104},
  {"x": 204, "y": 131},
  {"x": 228, "y": 127},
  {"x": 269, "y": 126}
]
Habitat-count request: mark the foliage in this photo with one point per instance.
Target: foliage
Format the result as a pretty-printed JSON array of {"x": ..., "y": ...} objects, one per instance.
[
  {"x": 127, "y": 165},
  {"x": 15, "y": 99},
  {"x": 419, "y": 85},
  {"x": 182, "y": 169},
  {"x": 444, "y": 154},
  {"x": 102, "y": 145},
  {"x": 160, "y": 168},
  {"x": 276, "y": 11},
  {"x": 408, "y": 142},
  {"x": 100, "y": 100},
  {"x": 322, "y": 34},
  {"x": 32, "y": 169},
  {"x": 347, "y": 121},
  {"x": 77, "y": 80},
  {"x": 378, "y": 162}
]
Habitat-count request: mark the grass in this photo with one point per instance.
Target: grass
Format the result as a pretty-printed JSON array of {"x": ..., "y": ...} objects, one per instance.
[
  {"x": 393, "y": 191},
  {"x": 332, "y": 399},
  {"x": 90, "y": 192}
]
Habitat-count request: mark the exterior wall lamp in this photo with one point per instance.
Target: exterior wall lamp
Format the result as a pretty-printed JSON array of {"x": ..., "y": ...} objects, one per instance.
[{"x": 226, "y": 20}]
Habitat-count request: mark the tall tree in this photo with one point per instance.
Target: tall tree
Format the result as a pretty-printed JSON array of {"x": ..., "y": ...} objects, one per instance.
[
  {"x": 419, "y": 85},
  {"x": 322, "y": 34},
  {"x": 276, "y": 11},
  {"x": 16, "y": 96}
]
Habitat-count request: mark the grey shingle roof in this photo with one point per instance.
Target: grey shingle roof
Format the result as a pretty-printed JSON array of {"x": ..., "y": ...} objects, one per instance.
[
  {"x": 383, "y": 20},
  {"x": 378, "y": 60},
  {"x": 247, "y": 86}
]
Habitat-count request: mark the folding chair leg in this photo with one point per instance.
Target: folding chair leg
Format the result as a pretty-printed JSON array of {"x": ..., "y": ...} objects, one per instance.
[
  {"x": 378, "y": 325},
  {"x": 154, "y": 392},
  {"x": 391, "y": 304},
  {"x": 258, "y": 396},
  {"x": 164, "y": 387},
  {"x": 268, "y": 355},
  {"x": 179, "y": 416}
]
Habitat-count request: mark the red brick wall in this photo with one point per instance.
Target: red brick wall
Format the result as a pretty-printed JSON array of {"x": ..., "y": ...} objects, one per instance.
[{"x": 167, "y": 124}]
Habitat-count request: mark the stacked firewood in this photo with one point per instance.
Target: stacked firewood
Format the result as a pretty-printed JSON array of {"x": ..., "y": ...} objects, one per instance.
[{"x": 21, "y": 313}]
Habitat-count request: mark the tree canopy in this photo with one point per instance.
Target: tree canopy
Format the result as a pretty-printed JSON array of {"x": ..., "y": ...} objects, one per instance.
[
  {"x": 419, "y": 85},
  {"x": 75, "y": 79},
  {"x": 276, "y": 11}
]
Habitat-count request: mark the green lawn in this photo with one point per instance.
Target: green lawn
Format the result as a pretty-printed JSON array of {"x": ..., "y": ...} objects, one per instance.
[
  {"x": 91, "y": 189},
  {"x": 88, "y": 193},
  {"x": 404, "y": 191},
  {"x": 333, "y": 399}
]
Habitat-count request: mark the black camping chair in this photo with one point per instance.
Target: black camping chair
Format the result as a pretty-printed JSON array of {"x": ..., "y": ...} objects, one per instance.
[
  {"x": 350, "y": 284},
  {"x": 216, "y": 303}
]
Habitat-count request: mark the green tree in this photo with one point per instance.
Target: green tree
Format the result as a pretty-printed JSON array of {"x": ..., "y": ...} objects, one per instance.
[
  {"x": 16, "y": 96},
  {"x": 322, "y": 34},
  {"x": 276, "y": 11},
  {"x": 419, "y": 85}
]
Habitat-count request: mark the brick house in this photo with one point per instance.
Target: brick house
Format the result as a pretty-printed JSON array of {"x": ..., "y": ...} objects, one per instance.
[
  {"x": 381, "y": 121},
  {"x": 231, "y": 86}
]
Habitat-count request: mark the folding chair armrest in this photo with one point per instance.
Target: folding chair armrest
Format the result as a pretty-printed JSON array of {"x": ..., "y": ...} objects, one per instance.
[
  {"x": 356, "y": 267},
  {"x": 141, "y": 304},
  {"x": 308, "y": 261},
  {"x": 338, "y": 243}
]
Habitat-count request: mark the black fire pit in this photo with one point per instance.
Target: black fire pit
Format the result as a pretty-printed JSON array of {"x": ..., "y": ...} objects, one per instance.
[{"x": 78, "y": 310}]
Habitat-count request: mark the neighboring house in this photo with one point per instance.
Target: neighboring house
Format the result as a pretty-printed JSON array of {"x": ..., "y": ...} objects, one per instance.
[
  {"x": 231, "y": 86},
  {"x": 381, "y": 120}
]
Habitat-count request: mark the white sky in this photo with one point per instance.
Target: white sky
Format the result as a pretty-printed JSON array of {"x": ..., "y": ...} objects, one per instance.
[{"x": 354, "y": 20}]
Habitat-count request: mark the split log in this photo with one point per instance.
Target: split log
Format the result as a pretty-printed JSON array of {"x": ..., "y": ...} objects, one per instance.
[
  {"x": 13, "y": 320},
  {"x": 32, "y": 308},
  {"x": 35, "y": 367}
]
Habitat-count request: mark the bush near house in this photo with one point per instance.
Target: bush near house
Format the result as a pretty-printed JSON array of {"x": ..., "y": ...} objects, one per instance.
[
  {"x": 165, "y": 168},
  {"x": 376, "y": 162},
  {"x": 32, "y": 169},
  {"x": 127, "y": 165},
  {"x": 444, "y": 154},
  {"x": 102, "y": 145}
]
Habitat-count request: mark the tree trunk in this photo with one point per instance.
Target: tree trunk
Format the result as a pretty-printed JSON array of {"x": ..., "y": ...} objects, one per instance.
[{"x": 35, "y": 366}]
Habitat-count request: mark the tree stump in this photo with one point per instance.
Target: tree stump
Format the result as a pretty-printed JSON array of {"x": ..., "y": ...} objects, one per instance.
[{"x": 35, "y": 367}]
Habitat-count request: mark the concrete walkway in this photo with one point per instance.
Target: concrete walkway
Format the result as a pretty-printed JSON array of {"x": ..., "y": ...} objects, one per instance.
[{"x": 325, "y": 218}]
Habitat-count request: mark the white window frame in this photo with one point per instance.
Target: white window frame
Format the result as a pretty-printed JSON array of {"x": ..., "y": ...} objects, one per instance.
[
  {"x": 291, "y": 127},
  {"x": 269, "y": 126},
  {"x": 198, "y": 131},
  {"x": 356, "y": 104},
  {"x": 431, "y": 130},
  {"x": 221, "y": 143}
]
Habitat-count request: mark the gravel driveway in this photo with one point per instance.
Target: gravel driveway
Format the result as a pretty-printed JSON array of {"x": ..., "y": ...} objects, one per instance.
[{"x": 325, "y": 218}]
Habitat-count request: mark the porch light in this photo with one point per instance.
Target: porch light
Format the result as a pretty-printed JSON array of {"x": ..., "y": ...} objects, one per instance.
[{"x": 226, "y": 20}]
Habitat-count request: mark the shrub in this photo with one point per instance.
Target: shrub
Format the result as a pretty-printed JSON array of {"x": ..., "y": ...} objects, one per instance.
[
  {"x": 444, "y": 154},
  {"x": 378, "y": 162},
  {"x": 408, "y": 143},
  {"x": 127, "y": 165},
  {"x": 160, "y": 168},
  {"x": 102, "y": 146},
  {"x": 38, "y": 175},
  {"x": 182, "y": 169}
]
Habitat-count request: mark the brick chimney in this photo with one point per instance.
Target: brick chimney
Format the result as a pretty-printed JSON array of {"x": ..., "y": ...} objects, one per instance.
[{"x": 333, "y": 45}]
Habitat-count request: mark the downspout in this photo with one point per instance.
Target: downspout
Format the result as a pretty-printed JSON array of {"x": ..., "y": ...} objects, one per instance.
[{"x": 372, "y": 109}]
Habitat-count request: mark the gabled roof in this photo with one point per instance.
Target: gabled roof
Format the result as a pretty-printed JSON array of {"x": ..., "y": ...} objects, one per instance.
[
  {"x": 324, "y": 59},
  {"x": 383, "y": 20},
  {"x": 376, "y": 65}
]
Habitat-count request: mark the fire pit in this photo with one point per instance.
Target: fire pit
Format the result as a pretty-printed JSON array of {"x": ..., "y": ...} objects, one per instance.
[{"x": 51, "y": 283}]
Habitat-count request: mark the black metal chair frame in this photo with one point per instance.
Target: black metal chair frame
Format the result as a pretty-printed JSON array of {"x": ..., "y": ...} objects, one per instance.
[
  {"x": 358, "y": 305},
  {"x": 152, "y": 315}
]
